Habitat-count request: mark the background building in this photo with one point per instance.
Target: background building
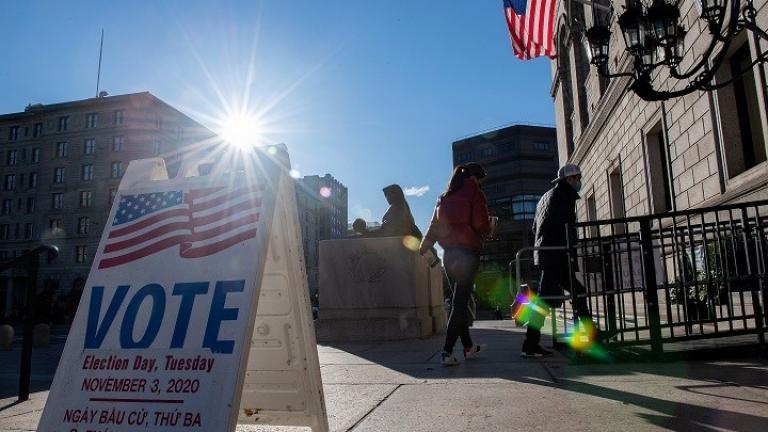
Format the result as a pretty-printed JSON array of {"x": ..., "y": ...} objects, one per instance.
[
  {"x": 322, "y": 206},
  {"x": 61, "y": 166},
  {"x": 521, "y": 161},
  {"x": 638, "y": 157}
]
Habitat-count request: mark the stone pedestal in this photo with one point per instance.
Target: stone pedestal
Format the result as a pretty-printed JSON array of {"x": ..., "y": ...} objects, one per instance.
[{"x": 377, "y": 289}]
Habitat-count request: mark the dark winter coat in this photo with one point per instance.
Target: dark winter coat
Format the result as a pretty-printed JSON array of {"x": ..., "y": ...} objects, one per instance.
[
  {"x": 398, "y": 221},
  {"x": 556, "y": 210}
]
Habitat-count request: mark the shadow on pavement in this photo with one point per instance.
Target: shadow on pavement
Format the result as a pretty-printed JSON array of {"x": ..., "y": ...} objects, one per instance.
[{"x": 420, "y": 360}]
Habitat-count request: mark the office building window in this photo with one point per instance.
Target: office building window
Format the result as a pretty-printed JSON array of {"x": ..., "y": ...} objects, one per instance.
[
  {"x": 63, "y": 123},
  {"x": 12, "y": 157},
  {"x": 89, "y": 146},
  {"x": 10, "y": 182},
  {"x": 55, "y": 224},
  {"x": 486, "y": 152},
  {"x": 87, "y": 172},
  {"x": 81, "y": 254},
  {"x": 464, "y": 157},
  {"x": 85, "y": 198},
  {"x": 61, "y": 149},
  {"x": 37, "y": 130},
  {"x": 117, "y": 117},
  {"x": 112, "y": 194},
  {"x": 35, "y": 155},
  {"x": 158, "y": 121},
  {"x": 155, "y": 147},
  {"x": 83, "y": 225},
  {"x": 58, "y": 175},
  {"x": 90, "y": 120},
  {"x": 28, "y": 230},
  {"x": 116, "y": 170},
  {"x": 57, "y": 200},
  {"x": 7, "y": 206},
  {"x": 13, "y": 133},
  {"x": 33, "y": 180},
  {"x": 5, "y": 232},
  {"x": 30, "y": 204},
  {"x": 541, "y": 145},
  {"x": 524, "y": 206},
  {"x": 117, "y": 143}
]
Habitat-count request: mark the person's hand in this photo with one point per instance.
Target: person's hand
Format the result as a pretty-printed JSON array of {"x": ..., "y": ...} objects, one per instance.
[{"x": 493, "y": 221}]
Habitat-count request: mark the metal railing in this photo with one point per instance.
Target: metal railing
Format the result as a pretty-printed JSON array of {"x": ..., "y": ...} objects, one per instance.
[
  {"x": 29, "y": 263},
  {"x": 679, "y": 276}
]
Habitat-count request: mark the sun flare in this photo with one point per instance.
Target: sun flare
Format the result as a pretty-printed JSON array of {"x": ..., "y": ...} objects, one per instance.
[{"x": 241, "y": 130}]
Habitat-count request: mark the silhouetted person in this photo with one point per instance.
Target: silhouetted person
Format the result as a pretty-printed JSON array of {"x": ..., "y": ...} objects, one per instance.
[
  {"x": 398, "y": 220},
  {"x": 555, "y": 211}
]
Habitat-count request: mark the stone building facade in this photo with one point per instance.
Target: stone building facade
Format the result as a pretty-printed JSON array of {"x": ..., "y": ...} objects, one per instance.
[
  {"x": 638, "y": 157},
  {"x": 60, "y": 169},
  {"x": 323, "y": 207},
  {"x": 520, "y": 161}
]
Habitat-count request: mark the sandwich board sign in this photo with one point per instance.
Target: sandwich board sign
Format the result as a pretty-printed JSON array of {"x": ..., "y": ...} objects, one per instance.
[{"x": 195, "y": 314}]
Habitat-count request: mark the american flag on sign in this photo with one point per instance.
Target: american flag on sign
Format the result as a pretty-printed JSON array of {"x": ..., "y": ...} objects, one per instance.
[
  {"x": 200, "y": 222},
  {"x": 531, "y": 27}
]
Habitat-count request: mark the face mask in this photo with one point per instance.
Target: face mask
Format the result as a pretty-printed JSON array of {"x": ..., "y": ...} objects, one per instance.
[{"x": 577, "y": 186}]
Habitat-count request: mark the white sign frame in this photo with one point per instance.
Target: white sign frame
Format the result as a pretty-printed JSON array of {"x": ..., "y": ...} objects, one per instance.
[{"x": 141, "y": 177}]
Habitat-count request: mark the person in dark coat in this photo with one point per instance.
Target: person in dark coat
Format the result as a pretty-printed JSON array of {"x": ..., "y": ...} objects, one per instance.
[
  {"x": 555, "y": 213},
  {"x": 460, "y": 223},
  {"x": 398, "y": 220}
]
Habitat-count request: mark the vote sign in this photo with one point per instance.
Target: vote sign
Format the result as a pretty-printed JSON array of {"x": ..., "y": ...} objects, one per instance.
[{"x": 167, "y": 310}]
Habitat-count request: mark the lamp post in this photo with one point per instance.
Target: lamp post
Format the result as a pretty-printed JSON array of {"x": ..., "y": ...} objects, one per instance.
[{"x": 654, "y": 37}]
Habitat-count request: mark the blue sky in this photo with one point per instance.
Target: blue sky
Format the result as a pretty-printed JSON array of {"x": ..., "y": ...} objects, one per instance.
[{"x": 372, "y": 92}]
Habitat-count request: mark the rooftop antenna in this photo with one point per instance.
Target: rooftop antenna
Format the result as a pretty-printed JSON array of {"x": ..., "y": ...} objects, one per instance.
[{"x": 98, "y": 74}]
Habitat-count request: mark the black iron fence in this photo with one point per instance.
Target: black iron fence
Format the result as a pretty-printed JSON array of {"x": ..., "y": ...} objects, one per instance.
[
  {"x": 671, "y": 277},
  {"x": 28, "y": 263}
]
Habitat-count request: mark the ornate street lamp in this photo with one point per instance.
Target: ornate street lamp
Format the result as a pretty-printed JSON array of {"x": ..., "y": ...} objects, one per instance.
[{"x": 654, "y": 37}]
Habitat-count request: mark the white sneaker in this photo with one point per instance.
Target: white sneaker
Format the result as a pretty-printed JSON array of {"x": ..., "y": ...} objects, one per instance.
[
  {"x": 448, "y": 359},
  {"x": 474, "y": 350}
]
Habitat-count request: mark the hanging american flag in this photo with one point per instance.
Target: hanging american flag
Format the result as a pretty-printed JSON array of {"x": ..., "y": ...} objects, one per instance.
[
  {"x": 531, "y": 27},
  {"x": 200, "y": 222}
]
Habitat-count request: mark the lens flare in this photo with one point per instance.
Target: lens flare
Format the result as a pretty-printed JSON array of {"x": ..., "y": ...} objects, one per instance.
[
  {"x": 294, "y": 173},
  {"x": 583, "y": 339},
  {"x": 529, "y": 309},
  {"x": 325, "y": 192},
  {"x": 412, "y": 243}
]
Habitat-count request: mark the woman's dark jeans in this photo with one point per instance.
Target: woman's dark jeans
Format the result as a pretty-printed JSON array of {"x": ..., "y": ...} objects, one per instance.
[{"x": 461, "y": 266}]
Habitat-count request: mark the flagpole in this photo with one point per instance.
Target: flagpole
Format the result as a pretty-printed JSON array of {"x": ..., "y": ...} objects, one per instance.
[{"x": 98, "y": 73}]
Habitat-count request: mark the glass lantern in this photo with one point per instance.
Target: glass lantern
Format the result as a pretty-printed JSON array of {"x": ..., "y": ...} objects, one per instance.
[
  {"x": 598, "y": 38},
  {"x": 712, "y": 10},
  {"x": 633, "y": 26},
  {"x": 676, "y": 52},
  {"x": 663, "y": 17}
]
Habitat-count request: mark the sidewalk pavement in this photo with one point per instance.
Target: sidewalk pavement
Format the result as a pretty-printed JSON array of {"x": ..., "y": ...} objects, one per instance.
[{"x": 400, "y": 386}]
